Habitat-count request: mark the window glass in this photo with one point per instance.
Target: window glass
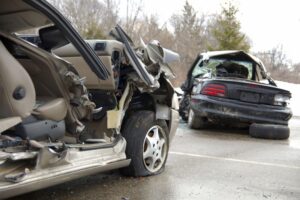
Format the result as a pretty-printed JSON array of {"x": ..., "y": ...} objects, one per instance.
[{"x": 223, "y": 68}]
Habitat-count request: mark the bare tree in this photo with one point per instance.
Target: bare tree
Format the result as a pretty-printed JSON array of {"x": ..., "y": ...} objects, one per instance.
[
  {"x": 92, "y": 18},
  {"x": 133, "y": 12},
  {"x": 190, "y": 34},
  {"x": 110, "y": 15},
  {"x": 279, "y": 66},
  {"x": 148, "y": 28},
  {"x": 274, "y": 59},
  {"x": 296, "y": 69}
]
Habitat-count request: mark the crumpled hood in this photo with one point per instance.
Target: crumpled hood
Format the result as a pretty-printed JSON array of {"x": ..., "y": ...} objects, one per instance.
[
  {"x": 149, "y": 60},
  {"x": 153, "y": 53}
]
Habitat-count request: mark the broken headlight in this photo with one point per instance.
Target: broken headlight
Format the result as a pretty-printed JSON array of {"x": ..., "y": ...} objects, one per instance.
[{"x": 281, "y": 100}]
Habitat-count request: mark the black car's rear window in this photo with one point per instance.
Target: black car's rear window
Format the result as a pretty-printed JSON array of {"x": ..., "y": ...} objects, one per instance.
[{"x": 223, "y": 68}]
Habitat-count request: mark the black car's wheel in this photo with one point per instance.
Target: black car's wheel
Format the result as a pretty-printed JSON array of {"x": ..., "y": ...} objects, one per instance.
[
  {"x": 195, "y": 122},
  {"x": 269, "y": 131},
  {"x": 184, "y": 108},
  {"x": 147, "y": 144}
]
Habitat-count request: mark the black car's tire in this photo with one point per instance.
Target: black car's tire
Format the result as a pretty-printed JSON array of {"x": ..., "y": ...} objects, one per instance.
[
  {"x": 195, "y": 122},
  {"x": 147, "y": 140},
  {"x": 184, "y": 107},
  {"x": 269, "y": 131}
]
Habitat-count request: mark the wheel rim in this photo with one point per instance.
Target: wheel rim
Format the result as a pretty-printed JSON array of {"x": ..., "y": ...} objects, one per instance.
[{"x": 155, "y": 149}]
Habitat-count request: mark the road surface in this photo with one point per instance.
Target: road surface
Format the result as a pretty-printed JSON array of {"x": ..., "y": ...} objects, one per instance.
[{"x": 210, "y": 164}]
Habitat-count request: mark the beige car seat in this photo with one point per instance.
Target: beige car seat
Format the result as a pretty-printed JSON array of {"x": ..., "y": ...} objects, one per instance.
[
  {"x": 17, "y": 94},
  {"x": 16, "y": 87}
]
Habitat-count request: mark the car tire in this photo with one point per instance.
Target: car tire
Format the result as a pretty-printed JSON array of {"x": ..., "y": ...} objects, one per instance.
[
  {"x": 269, "y": 131},
  {"x": 147, "y": 144},
  {"x": 184, "y": 108},
  {"x": 195, "y": 122}
]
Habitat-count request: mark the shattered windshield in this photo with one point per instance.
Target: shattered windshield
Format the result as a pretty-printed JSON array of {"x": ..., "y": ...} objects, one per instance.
[{"x": 223, "y": 68}]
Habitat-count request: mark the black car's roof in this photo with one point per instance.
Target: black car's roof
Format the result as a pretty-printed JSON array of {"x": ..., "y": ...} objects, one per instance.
[{"x": 231, "y": 53}]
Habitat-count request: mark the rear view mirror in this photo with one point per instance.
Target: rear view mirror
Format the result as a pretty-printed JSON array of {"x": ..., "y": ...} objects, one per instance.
[{"x": 52, "y": 38}]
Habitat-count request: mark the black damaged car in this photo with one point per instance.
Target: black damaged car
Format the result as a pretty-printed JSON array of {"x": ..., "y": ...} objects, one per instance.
[{"x": 234, "y": 88}]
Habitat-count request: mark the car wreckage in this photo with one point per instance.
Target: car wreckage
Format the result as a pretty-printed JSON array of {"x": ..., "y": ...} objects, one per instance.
[
  {"x": 234, "y": 88},
  {"x": 70, "y": 108}
]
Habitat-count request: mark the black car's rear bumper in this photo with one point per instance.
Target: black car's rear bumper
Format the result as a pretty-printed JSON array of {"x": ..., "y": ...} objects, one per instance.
[{"x": 237, "y": 111}]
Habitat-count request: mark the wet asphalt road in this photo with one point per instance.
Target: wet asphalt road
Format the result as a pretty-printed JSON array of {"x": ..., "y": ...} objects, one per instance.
[{"x": 210, "y": 164}]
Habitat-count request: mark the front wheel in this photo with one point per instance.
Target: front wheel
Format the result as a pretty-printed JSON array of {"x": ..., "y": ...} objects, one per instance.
[{"x": 147, "y": 144}]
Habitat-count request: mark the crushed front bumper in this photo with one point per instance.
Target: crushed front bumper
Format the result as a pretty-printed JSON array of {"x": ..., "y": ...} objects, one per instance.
[{"x": 237, "y": 111}]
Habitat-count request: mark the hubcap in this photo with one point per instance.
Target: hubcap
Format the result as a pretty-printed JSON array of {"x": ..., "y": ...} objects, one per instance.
[{"x": 155, "y": 149}]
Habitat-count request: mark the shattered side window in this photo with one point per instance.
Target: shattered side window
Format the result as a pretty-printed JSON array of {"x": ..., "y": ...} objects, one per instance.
[
  {"x": 197, "y": 69},
  {"x": 205, "y": 70}
]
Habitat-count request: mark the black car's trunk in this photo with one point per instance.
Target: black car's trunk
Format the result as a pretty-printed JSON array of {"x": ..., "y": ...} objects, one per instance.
[{"x": 249, "y": 91}]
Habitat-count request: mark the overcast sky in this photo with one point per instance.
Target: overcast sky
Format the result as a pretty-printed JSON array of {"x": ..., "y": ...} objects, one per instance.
[{"x": 268, "y": 23}]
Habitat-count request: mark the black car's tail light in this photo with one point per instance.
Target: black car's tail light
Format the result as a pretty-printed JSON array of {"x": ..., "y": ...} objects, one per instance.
[{"x": 217, "y": 90}]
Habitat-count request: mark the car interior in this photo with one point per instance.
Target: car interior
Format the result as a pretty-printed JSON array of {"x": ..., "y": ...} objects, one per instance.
[
  {"x": 232, "y": 69},
  {"x": 37, "y": 97},
  {"x": 27, "y": 98},
  {"x": 40, "y": 94},
  {"x": 102, "y": 92},
  {"x": 32, "y": 92}
]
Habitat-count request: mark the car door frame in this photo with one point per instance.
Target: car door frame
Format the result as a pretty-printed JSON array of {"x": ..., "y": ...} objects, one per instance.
[
  {"x": 188, "y": 84},
  {"x": 72, "y": 35}
]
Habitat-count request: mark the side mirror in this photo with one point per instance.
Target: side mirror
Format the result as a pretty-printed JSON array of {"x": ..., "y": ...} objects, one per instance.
[{"x": 52, "y": 38}]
